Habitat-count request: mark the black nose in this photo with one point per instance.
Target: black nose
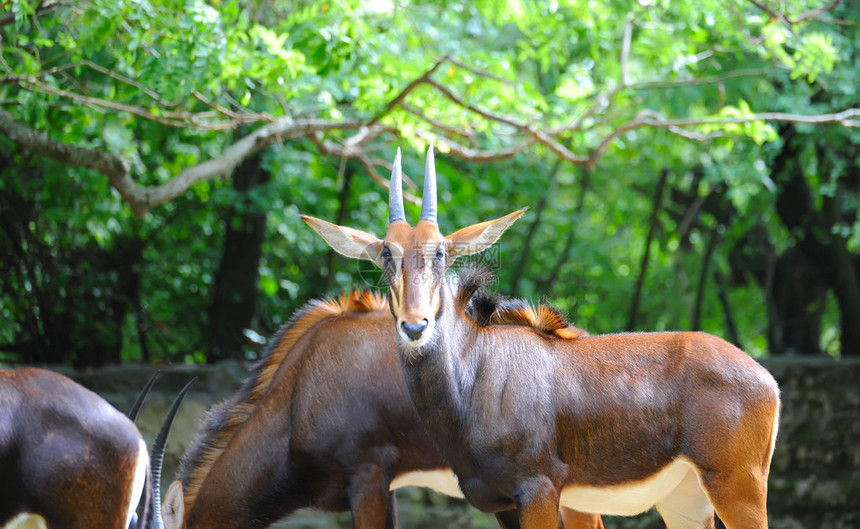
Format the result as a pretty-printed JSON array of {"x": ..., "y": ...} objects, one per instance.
[{"x": 414, "y": 330}]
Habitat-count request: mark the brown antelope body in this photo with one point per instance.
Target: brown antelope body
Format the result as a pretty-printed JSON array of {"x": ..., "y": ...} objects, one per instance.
[
  {"x": 605, "y": 424},
  {"x": 326, "y": 422},
  {"x": 66, "y": 455},
  {"x": 70, "y": 460}
]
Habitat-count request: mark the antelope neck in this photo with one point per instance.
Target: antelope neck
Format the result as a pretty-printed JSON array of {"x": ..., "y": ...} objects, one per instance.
[{"x": 440, "y": 375}]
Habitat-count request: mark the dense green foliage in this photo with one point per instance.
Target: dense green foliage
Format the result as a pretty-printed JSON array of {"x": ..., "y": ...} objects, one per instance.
[{"x": 680, "y": 127}]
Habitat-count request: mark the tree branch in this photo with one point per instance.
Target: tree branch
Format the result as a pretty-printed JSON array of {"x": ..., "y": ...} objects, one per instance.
[
  {"x": 39, "y": 142},
  {"x": 649, "y": 118},
  {"x": 486, "y": 114},
  {"x": 483, "y": 73},
  {"x": 176, "y": 119},
  {"x": 141, "y": 198},
  {"x": 782, "y": 17},
  {"x": 44, "y": 7},
  {"x": 425, "y": 77}
]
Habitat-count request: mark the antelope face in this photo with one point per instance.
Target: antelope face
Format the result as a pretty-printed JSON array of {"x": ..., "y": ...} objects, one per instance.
[{"x": 414, "y": 259}]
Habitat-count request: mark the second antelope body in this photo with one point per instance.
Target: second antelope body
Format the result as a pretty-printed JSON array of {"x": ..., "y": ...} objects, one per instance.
[{"x": 607, "y": 424}]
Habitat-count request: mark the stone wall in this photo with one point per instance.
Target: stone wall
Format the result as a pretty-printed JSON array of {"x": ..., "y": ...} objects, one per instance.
[{"x": 815, "y": 476}]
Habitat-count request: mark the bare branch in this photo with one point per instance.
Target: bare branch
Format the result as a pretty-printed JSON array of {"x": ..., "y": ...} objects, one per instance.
[
  {"x": 472, "y": 155},
  {"x": 144, "y": 198},
  {"x": 141, "y": 198},
  {"x": 237, "y": 118},
  {"x": 782, "y": 17},
  {"x": 649, "y": 118},
  {"x": 39, "y": 142},
  {"x": 557, "y": 147},
  {"x": 486, "y": 114},
  {"x": 329, "y": 148},
  {"x": 44, "y": 8},
  {"x": 406, "y": 91},
  {"x": 483, "y": 73},
  {"x": 654, "y": 84},
  {"x": 175, "y": 119},
  {"x": 370, "y": 166},
  {"x": 846, "y": 118},
  {"x": 467, "y": 133}
]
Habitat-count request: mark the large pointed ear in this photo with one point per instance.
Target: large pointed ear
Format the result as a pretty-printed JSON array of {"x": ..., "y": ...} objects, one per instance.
[
  {"x": 347, "y": 241},
  {"x": 173, "y": 506},
  {"x": 478, "y": 237}
]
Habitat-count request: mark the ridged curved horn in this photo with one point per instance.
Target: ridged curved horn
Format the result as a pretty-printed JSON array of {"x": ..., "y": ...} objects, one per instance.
[
  {"x": 428, "y": 206},
  {"x": 395, "y": 192},
  {"x": 156, "y": 459},
  {"x": 145, "y": 503},
  {"x": 135, "y": 410}
]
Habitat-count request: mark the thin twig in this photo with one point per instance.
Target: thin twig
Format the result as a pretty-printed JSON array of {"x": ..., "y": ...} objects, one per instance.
[
  {"x": 486, "y": 114},
  {"x": 782, "y": 17},
  {"x": 649, "y": 118},
  {"x": 176, "y": 119},
  {"x": 406, "y": 91},
  {"x": 467, "y": 133},
  {"x": 483, "y": 73}
]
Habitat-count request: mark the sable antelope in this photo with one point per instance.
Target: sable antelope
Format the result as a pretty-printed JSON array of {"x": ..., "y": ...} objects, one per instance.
[
  {"x": 608, "y": 424},
  {"x": 324, "y": 422},
  {"x": 68, "y": 459}
]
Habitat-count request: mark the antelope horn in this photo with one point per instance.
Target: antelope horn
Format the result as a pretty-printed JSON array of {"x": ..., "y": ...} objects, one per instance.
[
  {"x": 145, "y": 503},
  {"x": 135, "y": 410},
  {"x": 428, "y": 207},
  {"x": 157, "y": 458},
  {"x": 395, "y": 192}
]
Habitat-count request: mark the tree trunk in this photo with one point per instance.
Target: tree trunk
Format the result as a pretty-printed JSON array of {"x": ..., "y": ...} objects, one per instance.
[
  {"x": 548, "y": 284},
  {"x": 794, "y": 291},
  {"x": 520, "y": 267},
  {"x": 646, "y": 254},
  {"x": 235, "y": 291},
  {"x": 343, "y": 197},
  {"x": 696, "y": 319},
  {"x": 813, "y": 229}
]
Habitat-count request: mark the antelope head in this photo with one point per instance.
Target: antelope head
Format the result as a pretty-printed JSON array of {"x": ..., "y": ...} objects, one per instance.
[{"x": 414, "y": 258}]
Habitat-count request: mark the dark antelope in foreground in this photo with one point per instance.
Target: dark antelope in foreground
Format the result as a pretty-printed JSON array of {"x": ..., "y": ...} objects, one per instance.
[
  {"x": 607, "y": 424},
  {"x": 70, "y": 460},
  {"x": 325, "y": 422}
]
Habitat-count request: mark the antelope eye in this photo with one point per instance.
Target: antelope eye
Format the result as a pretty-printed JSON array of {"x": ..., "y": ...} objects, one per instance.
[
  {"x": 440, "y": 253},
  {"x": 386, "y": 253}
]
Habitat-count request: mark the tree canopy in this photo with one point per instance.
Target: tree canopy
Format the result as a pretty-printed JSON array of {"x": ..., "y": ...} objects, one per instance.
[{"x": 689, "y": 165}]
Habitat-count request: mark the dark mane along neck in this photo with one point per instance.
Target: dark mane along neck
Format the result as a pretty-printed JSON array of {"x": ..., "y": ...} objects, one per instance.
[
  {"x": 226, "y": 419},
  {"x": 487, "y": 308}
]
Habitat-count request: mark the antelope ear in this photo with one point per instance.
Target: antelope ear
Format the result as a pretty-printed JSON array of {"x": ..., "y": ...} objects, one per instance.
[
  {"x": 347, "y": 241},
  {"x": 173, "y": 506},
  {"x": 478, "y": 237}
]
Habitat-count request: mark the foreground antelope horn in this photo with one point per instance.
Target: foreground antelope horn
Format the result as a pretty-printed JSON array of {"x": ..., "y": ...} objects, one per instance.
[
  {"x": 152, "y": 520},
  {"x": 146, "y": 499}
]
